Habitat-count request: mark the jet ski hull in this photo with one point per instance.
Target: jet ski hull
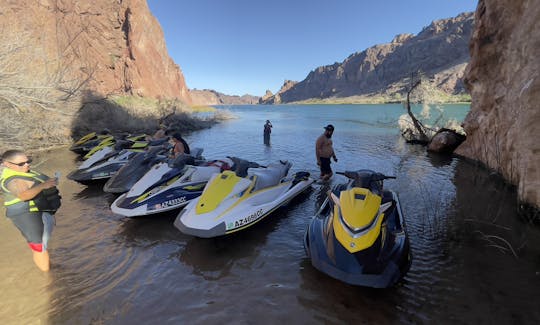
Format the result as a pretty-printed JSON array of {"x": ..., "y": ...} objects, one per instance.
[
  {"x": 100, "y": 170},
  {"x": 171, "y": 199},
  {"x": 380, "y": 266},
  {"x": 164, "y": 188}
]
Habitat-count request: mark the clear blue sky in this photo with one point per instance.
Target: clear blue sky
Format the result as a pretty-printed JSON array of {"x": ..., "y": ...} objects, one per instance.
[{"x": 242, "y": 47}]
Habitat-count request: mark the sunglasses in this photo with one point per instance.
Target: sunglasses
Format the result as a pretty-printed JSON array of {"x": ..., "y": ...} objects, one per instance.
[{"x": 22, "y": 163}]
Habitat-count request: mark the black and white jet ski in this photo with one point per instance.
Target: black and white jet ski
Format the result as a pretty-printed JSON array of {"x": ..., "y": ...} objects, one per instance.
[
  {"x": 135, "y": 169},
  {"x": 168, "y": 186},
  {"x": 358, "y": 235},
  {"x": 235, "y": 200},
  {"x": 104, "y": 163}
]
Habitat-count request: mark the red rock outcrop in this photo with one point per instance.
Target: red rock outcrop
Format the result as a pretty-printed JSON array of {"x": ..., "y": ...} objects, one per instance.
[
  {"x": 503, "y": 126},
  {"x": 118, "y": 47}
]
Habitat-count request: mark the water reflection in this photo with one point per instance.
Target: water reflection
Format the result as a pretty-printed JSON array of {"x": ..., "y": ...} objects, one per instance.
[
  {"x": 146, "y": 231},
  {"x": 438, "y": 160},
  {"x": 350, "y": 304},
  {"x": 213, "y": 258},
  {"x": 90, "y": 191}
]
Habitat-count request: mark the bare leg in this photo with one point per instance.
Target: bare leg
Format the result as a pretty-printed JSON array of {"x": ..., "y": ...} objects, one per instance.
[{"x": 42, "y": 260}]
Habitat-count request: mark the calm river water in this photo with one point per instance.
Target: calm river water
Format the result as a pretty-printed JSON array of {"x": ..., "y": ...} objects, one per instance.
[{"x": 474, "y": 260}]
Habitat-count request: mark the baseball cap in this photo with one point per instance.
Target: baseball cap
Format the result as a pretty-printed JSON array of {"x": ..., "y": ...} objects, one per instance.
[{"x": 329, "y": 127}]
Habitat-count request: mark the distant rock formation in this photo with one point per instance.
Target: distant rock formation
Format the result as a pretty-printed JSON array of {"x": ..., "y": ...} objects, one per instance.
[
  {"x": 269, "y": 98},
  {"x": 116, "y": 46},
  {"x": 212, "y": 97},
  {"x": 503, "y": 126},
  {"x": 439, "y": 51}
]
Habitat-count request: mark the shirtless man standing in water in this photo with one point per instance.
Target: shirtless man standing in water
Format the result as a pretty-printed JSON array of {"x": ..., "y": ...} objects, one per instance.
[{"x": 324, "y": 151}]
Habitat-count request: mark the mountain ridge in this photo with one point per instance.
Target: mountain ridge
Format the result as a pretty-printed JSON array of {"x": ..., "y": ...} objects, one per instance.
[{"x": 440, "y": 51}]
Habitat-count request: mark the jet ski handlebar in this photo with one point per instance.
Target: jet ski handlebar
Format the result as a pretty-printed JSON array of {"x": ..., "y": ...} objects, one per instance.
[{"x": 374, "y": 176}]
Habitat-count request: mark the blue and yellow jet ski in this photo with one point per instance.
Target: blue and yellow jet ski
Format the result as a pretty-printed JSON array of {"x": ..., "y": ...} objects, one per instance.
[{"x": 358, "y": 235}]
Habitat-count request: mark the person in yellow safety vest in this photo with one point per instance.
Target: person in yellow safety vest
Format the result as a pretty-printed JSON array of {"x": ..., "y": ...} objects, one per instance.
[{"x": 30, "y": 199}]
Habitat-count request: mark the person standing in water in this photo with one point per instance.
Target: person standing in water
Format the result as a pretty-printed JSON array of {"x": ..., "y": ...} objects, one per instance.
[
  {"x": 324, "y": 151},
  {"x": 30, "y": 199},
  {"x": 267, "y": 131}
]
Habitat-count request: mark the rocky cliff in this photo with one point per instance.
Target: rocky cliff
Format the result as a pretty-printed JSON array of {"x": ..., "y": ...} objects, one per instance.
[
  {"x": 270, "y": 98},
  {"x": 212, "y": 97},
  {"x": 107, "y": 47},
  {"x": 503, "y": 77},
  {"x": 439, "y": 51}
]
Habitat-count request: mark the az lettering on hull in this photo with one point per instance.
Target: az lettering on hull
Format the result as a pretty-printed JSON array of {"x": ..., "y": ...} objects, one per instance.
[{"x": 246, "y": 220}]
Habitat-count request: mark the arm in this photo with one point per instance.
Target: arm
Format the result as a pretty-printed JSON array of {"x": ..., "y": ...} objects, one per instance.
[
  {"x": 178, "y": 149},
  {"x": 318, "y": 149},
  {"x": 24, "y": 190}
]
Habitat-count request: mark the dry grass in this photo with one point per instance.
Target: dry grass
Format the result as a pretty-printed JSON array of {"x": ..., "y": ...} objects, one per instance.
[
  {"x": 130, "y": 114},
  {"x": 33, "y": 129}
]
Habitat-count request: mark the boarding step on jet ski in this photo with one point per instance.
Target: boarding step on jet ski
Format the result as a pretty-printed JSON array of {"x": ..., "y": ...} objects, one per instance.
[
  {"x": 358, "y": 235},
  {"x": 135, "y": 168},
  {"x": 236, "y": 199},
  {"x": 104, "y": 163},
  {"x": 168, "y": 186}
]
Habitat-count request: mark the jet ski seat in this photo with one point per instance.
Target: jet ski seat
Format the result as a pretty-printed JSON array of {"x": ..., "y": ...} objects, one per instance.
[
  {"x": 241, "y": 166},
  {"x": 196, "y": 153},
  {"x": 269, "y": 176},
  {"x": 122, "y": 144},
  {"x": 203, "y": 173},
  {"x": 154, "y": 150},
  {"x": 157, "y": 142},
  {"x": 182, "y": 160}
]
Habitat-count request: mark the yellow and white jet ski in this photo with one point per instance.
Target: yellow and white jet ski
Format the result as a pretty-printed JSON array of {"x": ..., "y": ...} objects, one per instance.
[{"x": 236, "y": 199}]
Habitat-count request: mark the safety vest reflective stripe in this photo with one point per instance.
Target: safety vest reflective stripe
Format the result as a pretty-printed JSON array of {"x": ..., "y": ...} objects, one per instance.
[{"x": 8, "y": 173}]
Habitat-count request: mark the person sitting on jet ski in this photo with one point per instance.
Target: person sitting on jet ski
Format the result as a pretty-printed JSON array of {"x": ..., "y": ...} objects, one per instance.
[{"x": 180, "y": 145}]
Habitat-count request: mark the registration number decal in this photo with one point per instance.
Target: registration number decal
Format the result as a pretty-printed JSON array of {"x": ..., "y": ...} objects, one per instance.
[
  {"x": 246, "y": 220},
  {"x": 173, "y": 202}
]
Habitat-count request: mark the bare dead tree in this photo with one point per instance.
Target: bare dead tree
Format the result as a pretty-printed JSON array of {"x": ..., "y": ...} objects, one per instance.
[{"x": 420, "y": 135}]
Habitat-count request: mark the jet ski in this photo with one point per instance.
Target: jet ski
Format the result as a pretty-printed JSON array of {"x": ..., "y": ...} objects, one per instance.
[
  {"x": 134, "y": 169},
  {"x": 138, "y": 143},
  {"x": 168, "y": 186},
  {"x": 237, "y": 199},
  {"x": 87, "y": 142},
  {"x": 104, "y": 163},
  {"x": 358, "y": 235}
]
